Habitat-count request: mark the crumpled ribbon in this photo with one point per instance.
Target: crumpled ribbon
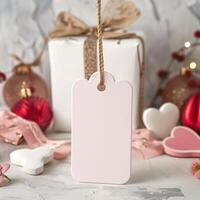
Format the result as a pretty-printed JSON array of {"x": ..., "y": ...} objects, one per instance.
[
  {"x": 116, "y": 16},
  {"x": 145, "y": 145},
  {"x": 13, "y": 129},
  {"x": 4, "y": 167}
]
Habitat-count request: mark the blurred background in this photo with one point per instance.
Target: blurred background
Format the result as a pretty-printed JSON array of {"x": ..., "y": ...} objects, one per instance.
[{"x": 167, "y": 25}]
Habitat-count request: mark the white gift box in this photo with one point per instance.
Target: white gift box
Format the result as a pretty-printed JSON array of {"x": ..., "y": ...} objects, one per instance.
[{"x": 67, "y": 66}]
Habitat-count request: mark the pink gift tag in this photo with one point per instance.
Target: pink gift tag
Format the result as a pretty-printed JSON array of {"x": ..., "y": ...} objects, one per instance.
[{"x": 101, "y": 131}]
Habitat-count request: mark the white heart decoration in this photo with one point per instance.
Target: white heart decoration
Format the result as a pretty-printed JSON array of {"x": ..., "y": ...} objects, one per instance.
[
  {"x": 161, "y": 121},
  {"x": 32, "y": 161}
]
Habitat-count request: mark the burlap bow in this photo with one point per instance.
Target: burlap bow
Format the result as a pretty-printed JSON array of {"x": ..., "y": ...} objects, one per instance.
[{"x": 116, "y": 17}]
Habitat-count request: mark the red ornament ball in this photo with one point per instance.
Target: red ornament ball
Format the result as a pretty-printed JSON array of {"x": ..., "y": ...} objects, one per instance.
[
  {"x": 190, "y": 113},
  {"x": 34, "y": 109}
]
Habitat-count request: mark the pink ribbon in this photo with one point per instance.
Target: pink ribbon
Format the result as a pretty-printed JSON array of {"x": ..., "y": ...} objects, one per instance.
[
  {"x": 14, "y": 128},
  {"x": 145, "y": 145},
  {"x": 10, "y": 128}
]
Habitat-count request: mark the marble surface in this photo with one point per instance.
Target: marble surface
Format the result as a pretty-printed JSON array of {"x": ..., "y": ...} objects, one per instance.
[
  {"x": 167, "y": 24},
  {"x": 161, "y": 178}
]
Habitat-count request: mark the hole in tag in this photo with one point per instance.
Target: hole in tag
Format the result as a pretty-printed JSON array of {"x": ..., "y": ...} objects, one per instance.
[{"x": 101, "y": 87}]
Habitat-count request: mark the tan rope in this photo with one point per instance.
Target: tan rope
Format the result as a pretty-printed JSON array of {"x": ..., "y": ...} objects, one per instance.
[{"x": 101, "y": 85}]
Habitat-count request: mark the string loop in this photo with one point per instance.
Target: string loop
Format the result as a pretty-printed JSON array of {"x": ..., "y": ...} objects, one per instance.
[{"x": 101, "y": 85}]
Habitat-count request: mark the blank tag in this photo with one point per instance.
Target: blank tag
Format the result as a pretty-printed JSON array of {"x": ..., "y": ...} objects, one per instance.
[{"x": 101, "y": 131}]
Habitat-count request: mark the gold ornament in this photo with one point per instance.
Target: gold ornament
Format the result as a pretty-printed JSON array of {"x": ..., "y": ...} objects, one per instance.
[
  {"x": 12, "y": 87},
  {"x": 23, "y": 73},
  {"x": 179, "y": 88}
]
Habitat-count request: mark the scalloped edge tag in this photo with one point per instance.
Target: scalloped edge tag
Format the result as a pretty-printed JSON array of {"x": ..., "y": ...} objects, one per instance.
[{"x": 101, "y": 131}]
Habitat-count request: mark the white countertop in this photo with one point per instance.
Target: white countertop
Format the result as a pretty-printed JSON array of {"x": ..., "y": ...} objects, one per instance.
[{"x": 161, "y": 178}]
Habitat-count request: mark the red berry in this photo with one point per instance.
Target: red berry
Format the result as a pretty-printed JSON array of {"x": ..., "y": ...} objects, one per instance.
[
  {"x": 197, "y": 34},
  {"x": 2, "y": 77},
  {"x": 174, "y": 55},
  {"x": 192, "y": 83},
  {"x": 160, "y": 91},
  {"x": 162, "y": 73},
  {"x": 188, "y": 73},
  {"x": 178, "y": 56}
]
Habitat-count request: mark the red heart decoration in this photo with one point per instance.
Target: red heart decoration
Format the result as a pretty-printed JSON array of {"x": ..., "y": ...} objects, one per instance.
[
  {"x": 190, "y": 115},
  {"x": 183, "y": 142}
]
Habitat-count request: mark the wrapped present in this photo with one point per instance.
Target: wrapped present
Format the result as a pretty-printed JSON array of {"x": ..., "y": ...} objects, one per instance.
[{"x": 73, "y": 55}]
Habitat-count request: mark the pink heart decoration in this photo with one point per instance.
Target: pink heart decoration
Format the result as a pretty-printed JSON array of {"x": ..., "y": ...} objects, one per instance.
[{"x": 183, "y": 142}]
